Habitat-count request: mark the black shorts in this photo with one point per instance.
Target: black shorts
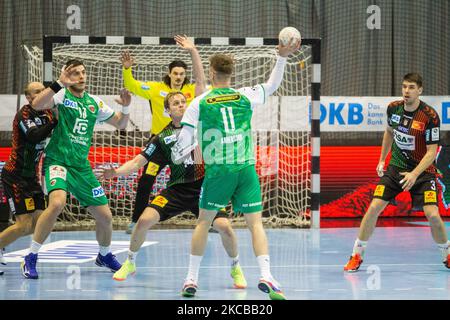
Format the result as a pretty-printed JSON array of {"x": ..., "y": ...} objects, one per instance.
[
  {"x": 424, "y": 192},
  {"x": 24, "y": 194},
  {"x": 180, "y": 198}
]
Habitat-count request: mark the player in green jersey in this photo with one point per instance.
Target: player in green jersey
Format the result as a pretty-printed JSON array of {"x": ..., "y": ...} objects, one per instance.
[
  {"x": 181, "y": 194},
  {"x": 222, "y": 117},
  {"x": 66, "y": 163}
]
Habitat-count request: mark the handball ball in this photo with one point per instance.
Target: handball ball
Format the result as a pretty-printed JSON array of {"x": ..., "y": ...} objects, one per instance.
[{"x": 286, "y": 35}]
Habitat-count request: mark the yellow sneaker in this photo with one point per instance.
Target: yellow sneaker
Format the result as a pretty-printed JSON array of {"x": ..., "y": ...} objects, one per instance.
[
  {"x": 126, "y": 269},
  {"x": 239, "y": 281}
]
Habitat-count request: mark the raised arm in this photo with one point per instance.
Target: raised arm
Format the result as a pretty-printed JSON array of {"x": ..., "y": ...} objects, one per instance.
[
  {"x": 44, "y": 99},
  {"x": 120, "y": 119},
  {"x": 135, "y": 86},
  {"x": 277, "y": 72},
  {"x": 197, "y": 66}
]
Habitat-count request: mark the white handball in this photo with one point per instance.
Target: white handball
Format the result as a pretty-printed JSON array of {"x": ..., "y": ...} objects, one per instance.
[{"x": 287, "y": 34}]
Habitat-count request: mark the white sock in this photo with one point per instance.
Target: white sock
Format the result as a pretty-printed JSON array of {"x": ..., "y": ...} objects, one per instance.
[
  {"x": 132, "y": 256},
  {"x": 2, "y": 259},
  {"x": 359, "y": 247},
  {"x": 444, "y": 248},
  {"x": 235, "y": 261},
  {"x": 104, "y": 250},
  {"x": 35, "y": 247},
  {"x": 194, "y": 267},
  {"x": 264, "y": 266}
]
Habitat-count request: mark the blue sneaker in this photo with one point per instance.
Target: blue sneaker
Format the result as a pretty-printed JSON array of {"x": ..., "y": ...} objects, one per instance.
[
  {"x": 109, "y": 261},
  {"x": 29, "y": 266}
]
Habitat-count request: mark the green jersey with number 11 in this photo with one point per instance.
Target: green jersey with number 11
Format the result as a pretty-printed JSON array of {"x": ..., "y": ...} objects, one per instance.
[
  {"x": 222, "y": 117},
  {"x": 72, "y": 137}
]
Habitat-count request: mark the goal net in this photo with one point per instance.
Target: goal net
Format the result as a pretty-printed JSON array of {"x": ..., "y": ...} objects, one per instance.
[{"x": 281, "y": 126}]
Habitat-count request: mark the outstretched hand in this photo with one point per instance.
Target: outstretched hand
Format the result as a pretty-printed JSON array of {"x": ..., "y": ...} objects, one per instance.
[
  {"x": 124, "y": 98},
  {"x": 126, "y": 59},
  {"x": 290, "y": 48},
  {"x": 103, "y": 173},
  {"x": 184, "y": 42},
  {"x": 64, "y": 77}
]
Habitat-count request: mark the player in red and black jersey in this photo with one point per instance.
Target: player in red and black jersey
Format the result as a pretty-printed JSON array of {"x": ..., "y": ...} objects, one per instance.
[
  {"x": 412, "y": 136},
  {"x": 25, "y": 197}
]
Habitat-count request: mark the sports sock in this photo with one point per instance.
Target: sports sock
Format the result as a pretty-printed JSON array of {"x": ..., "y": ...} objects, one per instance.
[
  {"x": 35, "y": 247},
  {"x": 104, "y": 250},
  {"x": 194, "y": 267},
  {"x": 264, "y": 266},
  {"x": 359, "y": 247}
]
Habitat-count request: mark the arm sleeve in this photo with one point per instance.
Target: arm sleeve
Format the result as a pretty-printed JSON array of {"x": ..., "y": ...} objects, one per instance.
[
  {"x": 184, "y": 145},
  {"x": 58, "y": 98},
  {"x": 139, "y": 88},
  {"x": 275, "y": 77},
  {"x": 191, "y": 115},
  {"x": 33, "y": 132},
  {"x": 104, "y": 112},
  {"x": 432, "y": 131}
]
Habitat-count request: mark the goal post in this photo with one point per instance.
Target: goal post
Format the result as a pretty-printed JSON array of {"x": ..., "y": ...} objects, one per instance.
[{"x": 286, "y": 129}]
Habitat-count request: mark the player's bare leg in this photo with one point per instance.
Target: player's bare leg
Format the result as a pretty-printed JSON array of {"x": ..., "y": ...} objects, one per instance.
[
  {"x": 366, "y": 229},
  {"x": 44, "y": 226},
  {"x": 149, "y": 218},
  {"x": 229, "y": 242},
  {"x": 103, "y": 231},
  {"x": 267, "y": 283},
  {"x": 198, "y": 245},
  {"x": 438, "y": 232}
]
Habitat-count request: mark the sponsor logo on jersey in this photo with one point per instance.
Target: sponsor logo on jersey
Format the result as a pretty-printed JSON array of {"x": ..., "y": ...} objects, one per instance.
[
  {"x": 11, "y": 205},
  {"x": 29, "y": 204},
  {"x": 145, "y": 87},
  {"x": 405, "y": 122},
  {"x": 402, "y": 129},
  {"x": 224, "y": 98},
  {"x": 404, "y": 141},
  {"x": 395, "y": 118},
  {"x": 435, "y": 134},
  {"x": 100, "y": 105},
  {"x": 52, "y": 182},
  {"x": 81, "y": 126},
  {"x": 188, "y": 95},
  {"x": 163, "y": 93},
  {"x": 152, "y": 169},
  {"x": 429, "y": 196},
  {"x": 379, "y": 191},
  {"x": 71, "y": 251},
  {"x": 92, "y": 108},
  {"x": 98, "y": 192},
  {"x": 150, "y": 149},
  {"x": 57, "y": 172},
  {"x": 170, "y": 139},
  {"x": 38, "y": 121},
  {"x": 417, "y": 125},
  {"x": 160, "y": 201},
  {"x": 70, "y": 104}
]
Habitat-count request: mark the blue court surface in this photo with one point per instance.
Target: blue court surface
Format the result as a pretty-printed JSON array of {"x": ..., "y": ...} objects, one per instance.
[{"x": 400, "y": 263}]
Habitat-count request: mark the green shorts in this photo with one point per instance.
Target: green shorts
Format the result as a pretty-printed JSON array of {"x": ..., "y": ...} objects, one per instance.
[
  {"x": 80, "y": 182},
  {"x": 242, "y": 188}
]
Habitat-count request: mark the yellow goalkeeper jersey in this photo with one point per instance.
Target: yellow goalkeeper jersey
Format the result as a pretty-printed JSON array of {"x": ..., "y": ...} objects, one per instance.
[{"x": 155, "y": 92}]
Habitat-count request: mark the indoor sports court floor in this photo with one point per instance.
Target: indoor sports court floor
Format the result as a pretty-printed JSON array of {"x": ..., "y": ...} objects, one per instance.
[{"x": 400, "y": 263}]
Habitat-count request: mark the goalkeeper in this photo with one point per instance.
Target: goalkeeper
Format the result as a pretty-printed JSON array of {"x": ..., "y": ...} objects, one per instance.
[{"x": 154, "y": 92}]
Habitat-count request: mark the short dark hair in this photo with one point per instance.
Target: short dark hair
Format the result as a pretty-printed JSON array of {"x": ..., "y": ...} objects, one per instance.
[
  {"x": 174, "y": 64},
  {"x": 413, "y": 77},
  {"x": 75, "y": 63},
  {"x": 170, "y": 95}
]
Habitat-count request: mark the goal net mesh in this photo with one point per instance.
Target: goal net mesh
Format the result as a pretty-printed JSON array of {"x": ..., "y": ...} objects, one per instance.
[{"x": 282, "y": 147}]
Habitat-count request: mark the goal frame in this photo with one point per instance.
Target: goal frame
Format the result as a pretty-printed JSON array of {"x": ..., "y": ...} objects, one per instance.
[{"x": 315, "y": 43}]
